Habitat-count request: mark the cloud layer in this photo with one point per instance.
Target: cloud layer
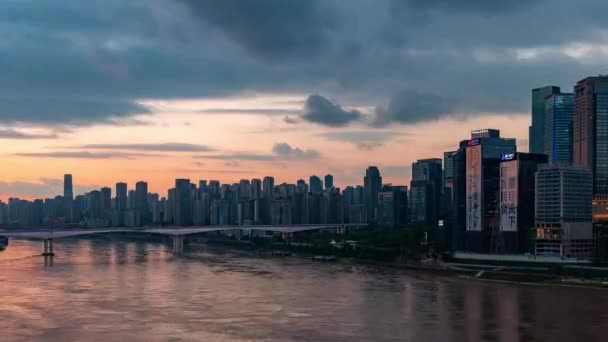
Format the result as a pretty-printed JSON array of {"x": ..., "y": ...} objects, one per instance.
[
  {"x": 162, "y": 147},
  {"x": 82, "y": 63},
  {"x": 280, "y": 152}
]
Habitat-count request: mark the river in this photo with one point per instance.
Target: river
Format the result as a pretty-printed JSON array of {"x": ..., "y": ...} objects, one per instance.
[{"x": 122, "y": 290}]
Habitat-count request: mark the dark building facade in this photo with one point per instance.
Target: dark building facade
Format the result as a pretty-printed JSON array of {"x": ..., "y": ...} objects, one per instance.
[
  {"x": 141, "y": 202},
  {"x": 316, "y": 184},
  {"x": 392, "y": 206},
  {"x": 183, "y": 209},
  {"x": 268, "y": 187},
  {"x": 483, "y": 155},
  {"x": 517, "y": 184},
  {"x": 372, "y": 182},
  {"x": 455, "y": 214},
  {"x": 425, "y": 191},
  {"x": 329, "y": 182}
]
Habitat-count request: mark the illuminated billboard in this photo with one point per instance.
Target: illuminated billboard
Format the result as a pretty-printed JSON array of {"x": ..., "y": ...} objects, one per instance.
[
  {"x": 508, "y": 156},
  {"x": 474, "y": 188},
  {"x": 508, "y": 195},
  {"x": 473, "y": 142}
]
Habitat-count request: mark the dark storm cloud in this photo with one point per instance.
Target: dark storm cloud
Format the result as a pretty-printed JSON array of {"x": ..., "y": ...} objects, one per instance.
[
  {"x": 162, "y": 147},
  {"x": 321, "y": 110},
  {"x": 81, "y": 62},
  {"x": 411, "y": 106},
  {"x": 269, "y": 28},
  {"x": 61, "y": 111},
  {"x": 482, "y": 6}
]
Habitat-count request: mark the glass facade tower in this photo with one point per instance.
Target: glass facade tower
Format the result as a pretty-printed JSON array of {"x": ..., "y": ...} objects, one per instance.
[
  {"x": 558, "y": 128},
  {"x": 537, "y": 130},
  {"x": 590, "y": 126}
]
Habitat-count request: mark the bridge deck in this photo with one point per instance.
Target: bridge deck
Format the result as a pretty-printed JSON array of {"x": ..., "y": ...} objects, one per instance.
[{"x": 171, "y": 230}]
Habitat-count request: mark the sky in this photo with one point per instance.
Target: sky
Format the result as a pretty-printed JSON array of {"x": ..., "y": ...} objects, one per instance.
[{"x": 155, "y": 90}]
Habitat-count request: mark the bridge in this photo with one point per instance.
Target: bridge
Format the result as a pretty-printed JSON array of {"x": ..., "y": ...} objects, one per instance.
[{"x": 177, "y": 233}]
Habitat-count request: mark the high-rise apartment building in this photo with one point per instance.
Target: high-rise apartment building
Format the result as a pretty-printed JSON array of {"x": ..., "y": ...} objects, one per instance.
[
  {"x": 372, "y": 183},
  {"x": 106, "y": 202},
  {"x": 301, "y": 186},
  {"x": 425, "y": 191},
  {"x": 449, "y": 174},
  {"x": 121, "y": 197},
  {"x": 183, "y": 206},
  {"x": 268, "y": 187},
  {"x": 392, "y": 206},
  {"x": 329, "y": 182},
  {"x": 68, "y": 192},
  {"x": 316, "y": 184},
  {"x": 68, "y": 197},
  {"x": 141, "y": 202},
  {"x": 256, "y": 189}
]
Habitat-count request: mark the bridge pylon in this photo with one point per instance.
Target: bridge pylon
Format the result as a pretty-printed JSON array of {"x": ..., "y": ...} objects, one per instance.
[
  {"x": 48, "y": 248},
  {"x": 177, "y": 244}
]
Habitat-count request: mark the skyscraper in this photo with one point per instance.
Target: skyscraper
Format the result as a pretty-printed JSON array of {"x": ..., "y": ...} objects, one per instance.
[
  {"x": 214, "y": 188},
  {"x": 68, "y": 197},
  {"x": 256, "y": 188},
  {"x": 68, "y": 192},
  {"x": 316, "y": 184},
  {"x": 449, "y": 174},
  {"x": 268, "y": 188},
  {"x": 558, "y": 128},
  {"x": 563, "y": 212},
  {"x": 455, "y": 206},
  {"x": 372, "y": 183},
  {"x": 106, "y": 202},
  {"x": 392, "y": 206},
  {"x": 483, "y": 155},
  {"x": 590, "y": 126},
  {"x": 329, "y": 182},
  {"x": 301, "y": 186},
  {"x": 141, "y": 201},
  {"x": 121, "y": 197},
  {"x": 537, "y": 130},
  {"x": 517, "y": 183},
  {"x": 425, "y": 199},
  {"x": 202, "y": 186},
  {"x": 183, "y": 207},
  {"x": 244, "y": 190}
]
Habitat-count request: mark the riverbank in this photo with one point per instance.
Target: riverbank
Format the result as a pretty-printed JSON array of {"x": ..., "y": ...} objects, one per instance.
[{"x": 531, "y": 275}]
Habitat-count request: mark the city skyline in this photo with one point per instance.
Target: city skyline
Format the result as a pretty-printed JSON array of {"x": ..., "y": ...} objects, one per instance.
[{"x": 159, "y": 90}]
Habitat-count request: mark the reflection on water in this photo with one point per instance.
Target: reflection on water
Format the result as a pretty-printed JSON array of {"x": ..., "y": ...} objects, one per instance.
[{"x": 101, "y": 290}]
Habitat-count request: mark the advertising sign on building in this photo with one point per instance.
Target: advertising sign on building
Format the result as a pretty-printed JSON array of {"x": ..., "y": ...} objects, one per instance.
[
  {"x": 473, "y": 188},
  {"x": 508, "y": 196}
]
